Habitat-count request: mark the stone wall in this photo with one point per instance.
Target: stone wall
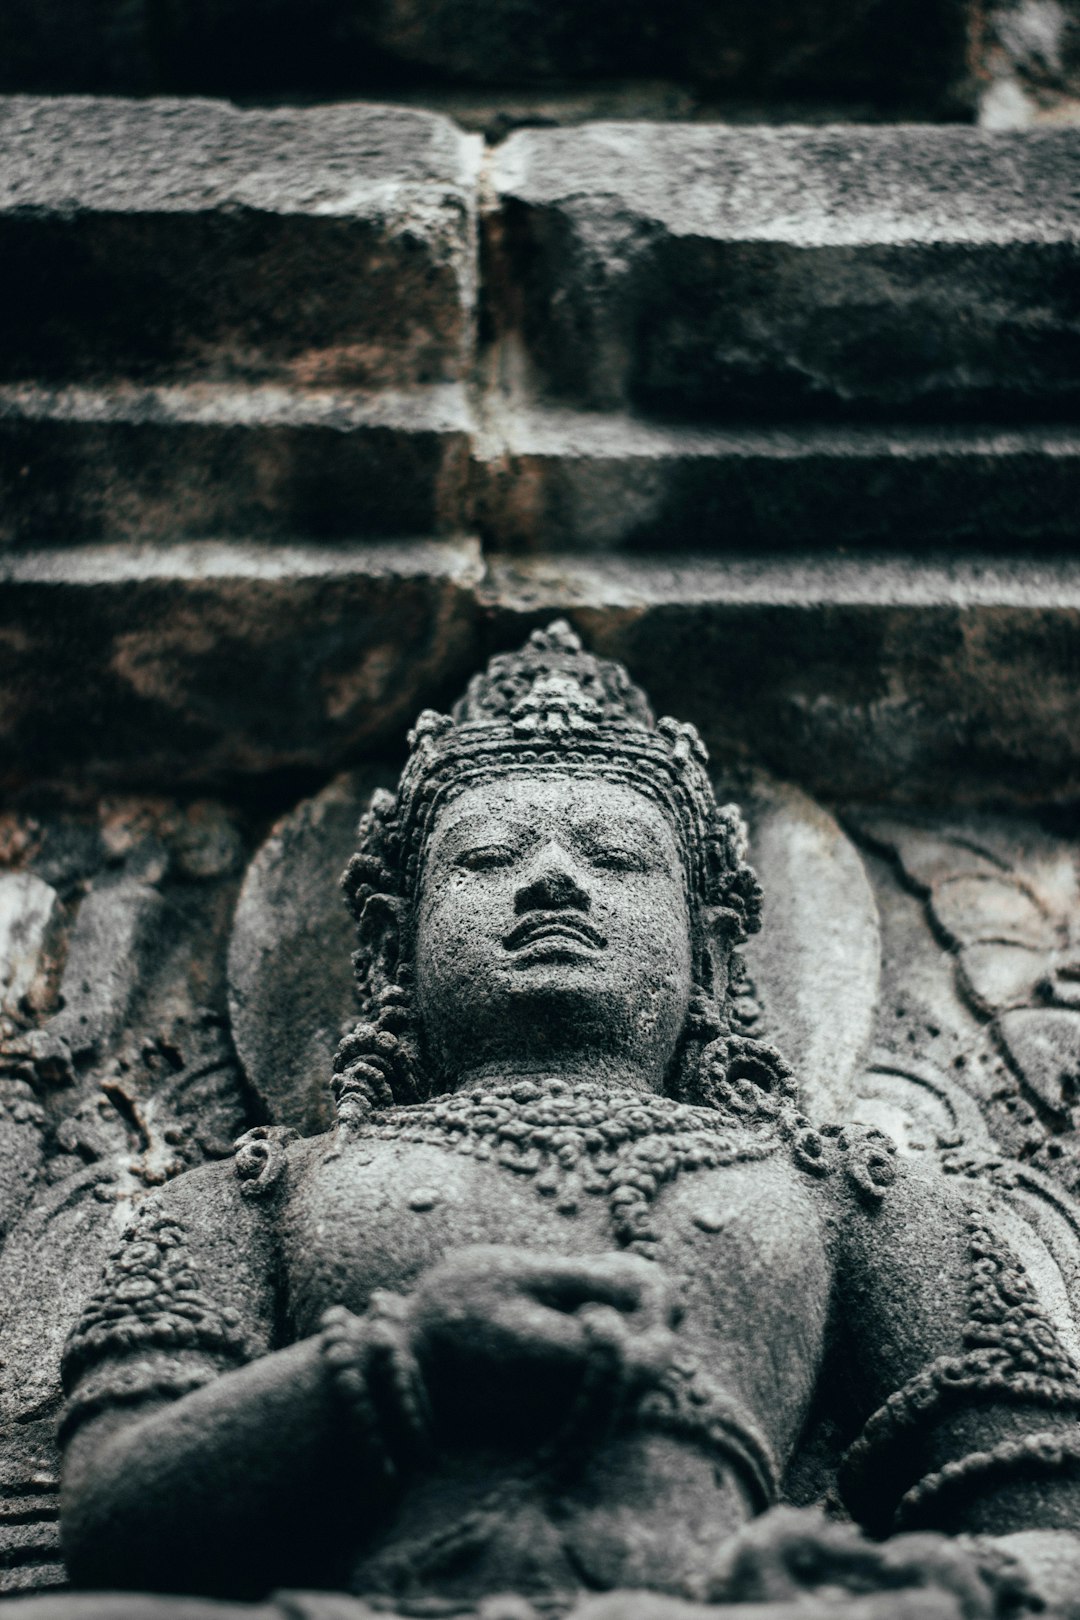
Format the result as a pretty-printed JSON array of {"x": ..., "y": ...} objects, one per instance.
[
  {"x": 306, "y": 410},
  {"x": 782, "y": 412}
]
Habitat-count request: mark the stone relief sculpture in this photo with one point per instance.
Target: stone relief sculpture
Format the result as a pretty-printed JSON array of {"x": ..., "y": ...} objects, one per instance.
[{"x": 576, "y": 1293}]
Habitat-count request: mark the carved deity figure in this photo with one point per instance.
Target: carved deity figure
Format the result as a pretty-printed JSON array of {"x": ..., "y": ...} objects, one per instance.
[{"x": 553, "y": 1306}]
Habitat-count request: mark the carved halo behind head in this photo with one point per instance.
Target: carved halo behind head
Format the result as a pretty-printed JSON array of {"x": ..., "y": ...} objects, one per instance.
[{"x": 549, "y": 706}]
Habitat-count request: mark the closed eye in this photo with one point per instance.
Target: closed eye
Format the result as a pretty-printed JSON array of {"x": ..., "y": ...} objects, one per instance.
[
  {"x": 486, "y": 856},
  {"x": 619, "y": 860}
]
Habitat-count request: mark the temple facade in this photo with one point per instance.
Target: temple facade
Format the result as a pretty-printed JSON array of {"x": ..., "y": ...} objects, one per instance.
[{"x": 348, "y": 354}]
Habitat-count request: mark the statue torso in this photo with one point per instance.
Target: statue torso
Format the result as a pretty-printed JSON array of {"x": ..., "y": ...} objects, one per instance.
[{"x": 739, "y": 1230}]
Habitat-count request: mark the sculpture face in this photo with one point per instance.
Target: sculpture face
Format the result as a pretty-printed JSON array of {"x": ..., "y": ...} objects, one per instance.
[{"x": 552, "y": 927}]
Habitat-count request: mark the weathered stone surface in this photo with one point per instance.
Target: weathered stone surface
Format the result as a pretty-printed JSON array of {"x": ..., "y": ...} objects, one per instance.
[
  {"x": 884, "y": 676},
  {"x": 167, "y": 463},
  {"x": 815, "y": 966},
  {"x": 30, "y": 920},
  {"x": 1004, "y": 897},
  {"x": 922, "y": 1604},
  {"x": 291, "y": 989},
  {"x": 1027, "y": 58},
  {"x": 791, "y": 271},
  {"x": 880, "y": 676},
  {"x": 119, "y": 924},
  {"x": 323, "y": 246},
  {"x": 182, "y": 662},
  {"x": 887, "y": 50},
  {"x": 812, "y": 983},
  {"x": 560, "y": 479},
  {"x": 273, "y": 388},
  {"x": 122, "y": 1078},
  {"x": 944, "y": 1080},
  {"x": 677, "y": 1270}
]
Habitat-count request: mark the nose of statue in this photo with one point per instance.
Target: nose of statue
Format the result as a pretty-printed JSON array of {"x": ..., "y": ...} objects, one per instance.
[{"x": 551, "y": 885}]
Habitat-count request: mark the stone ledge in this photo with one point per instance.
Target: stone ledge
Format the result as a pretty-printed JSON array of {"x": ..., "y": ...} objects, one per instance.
[
  {"x": 186, "y": 664},
  {"x": 787, "y": 271},
  {"x": 883, "y": 677},
  {"x": 560, "y": 479},
  {"x": 172, "y": 463},
  {"x": 82, "y": 463},
  {"x": 323, "y": 245}
]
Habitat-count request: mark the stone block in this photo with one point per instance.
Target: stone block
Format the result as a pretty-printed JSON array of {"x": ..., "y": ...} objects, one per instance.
[
  {"x": 321, "y": 246},
  {"x": 177, "y": 462},
  {"x": 560, "y": 479},
  {"x": 791, "y": 272},
  {"x": 183, "y": 663},
  {"x": 30, "y": 919},
  {"x": 885, "y": 677},
  {"x": 889, "y": 50},
  {"x": 889, "y": 678},
  {"x": 1027, "y": 62}
]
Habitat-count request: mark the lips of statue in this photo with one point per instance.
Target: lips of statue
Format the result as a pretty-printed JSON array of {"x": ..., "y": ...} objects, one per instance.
[{"x": 552, "y": 932}]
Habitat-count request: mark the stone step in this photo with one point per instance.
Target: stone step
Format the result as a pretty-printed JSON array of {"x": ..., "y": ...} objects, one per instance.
[
  {"x": 568, "y": 480},
  {"x": 903, "y": 52},
  {"x": 180, "y": 461},
  {"x": 710, "y": 271},
  {"x": 723, "y": 271},
  {"x": 183, "y": 239},
  {"x": 83, "y": 463},
  {"x": 877, "y": 678},
  {"x": 184, "y": 663}
]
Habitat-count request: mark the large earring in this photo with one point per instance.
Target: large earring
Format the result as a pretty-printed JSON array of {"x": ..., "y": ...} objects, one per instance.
[
  {"x": 375, "y": 1065},
  {"x": 746, "y": 1080},
  {"x": 704, "y": 1023}
]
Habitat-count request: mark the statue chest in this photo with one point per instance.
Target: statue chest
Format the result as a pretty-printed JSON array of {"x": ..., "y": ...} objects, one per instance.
[
  {"x": 745, "y": 1243},
  {"x": 381, "y": 1213}
]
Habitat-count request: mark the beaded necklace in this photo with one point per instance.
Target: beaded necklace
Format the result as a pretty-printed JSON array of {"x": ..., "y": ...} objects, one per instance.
[{"x": 572, "y": 1141}]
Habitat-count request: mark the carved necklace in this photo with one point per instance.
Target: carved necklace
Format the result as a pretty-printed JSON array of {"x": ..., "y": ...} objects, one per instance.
[{"x": 576, "y": 1140}]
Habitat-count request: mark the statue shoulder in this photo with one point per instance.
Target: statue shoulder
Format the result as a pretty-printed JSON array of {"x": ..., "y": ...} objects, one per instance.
[
  {"x": 962, "y": 1356},
  {"x": 904, "y": 1266},
  {"x": 230, "y": 1196},
  {"x": 190, "y": 1289}
]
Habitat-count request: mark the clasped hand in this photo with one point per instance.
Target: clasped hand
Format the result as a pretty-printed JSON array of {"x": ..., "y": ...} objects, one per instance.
[{"x": 506, "y": 1337}]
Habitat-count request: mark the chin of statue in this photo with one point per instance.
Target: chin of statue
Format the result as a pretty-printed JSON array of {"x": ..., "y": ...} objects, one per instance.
[{"x": 550, "y": 1019}]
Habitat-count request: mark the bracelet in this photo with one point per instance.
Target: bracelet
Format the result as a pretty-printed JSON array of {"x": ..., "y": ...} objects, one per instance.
[{"x": 377, "y": 1377}]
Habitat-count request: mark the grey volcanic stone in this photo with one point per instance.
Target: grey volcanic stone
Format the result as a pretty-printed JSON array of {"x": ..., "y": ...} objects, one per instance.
[
  {"x": 552, "y": 479},
  {"x": 880, "y": 676},
  {"x": 184, "y": 662},
  {"x": 554, "y": 1100},
  {"x": 1028, "y": 62},
  {"x": 180, "y": 462},
  {"x": 291, "y": 988},
  {"x": 886, "y": 676},
  {"x": 790, "y": 271},
  {"x": 325, "y": 245},
  {"x": 183, "y": 462},
  {"x": 888, "y": 50}
]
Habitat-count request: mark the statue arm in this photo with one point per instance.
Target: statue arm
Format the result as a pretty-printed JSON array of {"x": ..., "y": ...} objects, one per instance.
[
  {"x": 200, "y": 1457},
  {"x": 962, "y": 1362},
  {"x": 225, "y": 1490}
]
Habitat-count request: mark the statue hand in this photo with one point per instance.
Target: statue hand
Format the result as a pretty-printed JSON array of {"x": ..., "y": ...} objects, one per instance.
[
  {"x": 790, "y": 1553},
  {"x": 506, "y": 1336}
]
